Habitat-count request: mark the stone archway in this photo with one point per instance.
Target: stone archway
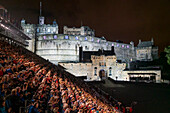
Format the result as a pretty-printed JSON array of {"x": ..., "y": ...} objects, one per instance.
[{"x": 103, "y": 74}]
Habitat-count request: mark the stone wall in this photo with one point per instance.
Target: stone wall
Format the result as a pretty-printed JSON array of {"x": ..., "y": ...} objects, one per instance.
[
  {"x": 78, "y": 69},
  {"x": 117, "y": 72},
  {"x": 91, "y": 70},
  {"x": 64, "y": 48}
]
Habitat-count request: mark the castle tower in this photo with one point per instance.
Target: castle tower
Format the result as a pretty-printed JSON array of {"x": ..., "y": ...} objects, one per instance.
[
  {"x": 152, "y": 41},
  {"x": 41, "y": 18}
]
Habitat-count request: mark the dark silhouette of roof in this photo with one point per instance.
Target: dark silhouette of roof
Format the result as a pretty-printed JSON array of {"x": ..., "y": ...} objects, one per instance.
[{"x": 145, "y": 44}]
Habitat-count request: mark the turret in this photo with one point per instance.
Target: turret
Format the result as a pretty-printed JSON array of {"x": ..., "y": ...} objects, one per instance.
[
  {"x": 41, "y": 18},
  {"x": 22, "y": 22}
]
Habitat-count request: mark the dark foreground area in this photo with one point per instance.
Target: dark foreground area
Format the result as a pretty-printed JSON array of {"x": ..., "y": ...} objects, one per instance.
[{"x": 146, "y": 98}]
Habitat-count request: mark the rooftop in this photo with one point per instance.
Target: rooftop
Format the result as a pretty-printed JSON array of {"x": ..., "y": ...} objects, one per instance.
[{"x": 145, "y": 44}]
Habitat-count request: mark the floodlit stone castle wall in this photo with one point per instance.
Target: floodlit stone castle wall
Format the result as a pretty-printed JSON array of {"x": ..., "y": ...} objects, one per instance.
[
  {"x": 91, "y": 70},
  {"x": 78, "y": 69},
  {"x": 66, "y": 47}
]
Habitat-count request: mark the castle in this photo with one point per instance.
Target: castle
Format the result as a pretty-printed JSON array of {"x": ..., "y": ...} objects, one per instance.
[{"x": 64, "y": 49}]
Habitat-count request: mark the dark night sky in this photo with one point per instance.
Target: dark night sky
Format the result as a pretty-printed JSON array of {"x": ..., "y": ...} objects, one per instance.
[{"x": 126, "y": 20}]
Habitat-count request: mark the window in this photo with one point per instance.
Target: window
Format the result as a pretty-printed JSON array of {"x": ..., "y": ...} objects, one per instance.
[
  {"x": 86, "y": 48},
  {"x": 110, "y": 71},
  {"x": 54, "y": 30},
  {"x": 28, "y": 30},
  {"x": 95, "y": 71},
  {"x": 85, "y": 38},
  {"x": 49, "y": 30},
  {"x": 103, "y": 64}
]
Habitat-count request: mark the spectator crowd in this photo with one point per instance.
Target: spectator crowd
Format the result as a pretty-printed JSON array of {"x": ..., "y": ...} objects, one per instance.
[{"x": 32, "y": 83}]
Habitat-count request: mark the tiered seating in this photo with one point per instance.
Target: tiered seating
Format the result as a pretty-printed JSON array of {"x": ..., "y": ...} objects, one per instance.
[{"x": 26, "y": 77}]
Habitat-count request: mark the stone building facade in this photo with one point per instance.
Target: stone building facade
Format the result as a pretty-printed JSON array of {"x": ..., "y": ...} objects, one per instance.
[
  {"x": 83, "y": 30},
  {"x": 99, "y": 69},
  {"x": 146, "y": 51},
  {"x": 49, "y": 44},
  {"x": 63, "y": 48},
  {"x": 103, "y": 67}
]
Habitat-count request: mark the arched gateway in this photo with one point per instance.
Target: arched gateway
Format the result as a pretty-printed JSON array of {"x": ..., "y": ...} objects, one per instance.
[{"x": 103, "y": 74}]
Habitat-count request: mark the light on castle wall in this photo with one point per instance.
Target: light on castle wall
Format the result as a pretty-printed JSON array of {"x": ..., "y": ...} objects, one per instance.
[
  {"x": 44, "y": 37},
  {"x": 55, "y": 36},
  {"x": 76, "y": 37},
  {"x": 66, "y": 37}
]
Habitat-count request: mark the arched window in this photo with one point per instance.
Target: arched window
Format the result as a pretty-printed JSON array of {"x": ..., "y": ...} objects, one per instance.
[
  {"x": 110, "y": 71},
  {"x": 95, "y": 71}
]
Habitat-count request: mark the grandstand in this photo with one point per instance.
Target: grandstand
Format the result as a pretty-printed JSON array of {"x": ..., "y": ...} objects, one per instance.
[{"x": 29, "y": 83}]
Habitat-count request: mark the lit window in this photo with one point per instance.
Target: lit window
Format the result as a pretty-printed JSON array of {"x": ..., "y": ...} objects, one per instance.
[
  {"x": 85, "y": 38},
  {"x": 28, "y": 30},
  {"x": 127, "y": 46},
  {"x": 117, "y": 45},
  {"x": 48, "y": 30},
  {"x": 123, "y": 46},
  {"x": 112, "y": 44},
  {"x": 54, "y": 30},
  {"x": 55, "y": 36},
  {"x": 98, "y": 41}
]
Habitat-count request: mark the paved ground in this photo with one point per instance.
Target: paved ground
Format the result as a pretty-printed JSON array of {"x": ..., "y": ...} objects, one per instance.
[{"x": 150, "y": 98}]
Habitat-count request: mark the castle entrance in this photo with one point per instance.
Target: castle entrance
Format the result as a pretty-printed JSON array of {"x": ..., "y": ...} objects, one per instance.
[{"x": 103, "y": 74}]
